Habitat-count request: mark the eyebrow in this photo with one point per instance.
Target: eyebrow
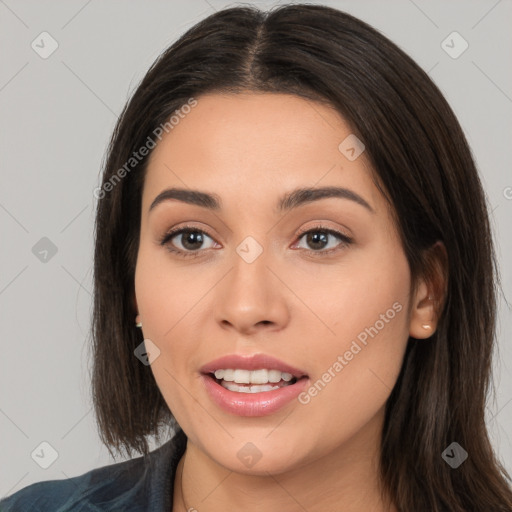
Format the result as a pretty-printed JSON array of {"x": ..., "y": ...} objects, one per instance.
[{"x": 288, "y": 201}]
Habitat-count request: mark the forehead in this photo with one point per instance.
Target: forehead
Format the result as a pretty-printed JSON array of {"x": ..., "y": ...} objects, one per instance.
[{"x": 256, "y": 145}]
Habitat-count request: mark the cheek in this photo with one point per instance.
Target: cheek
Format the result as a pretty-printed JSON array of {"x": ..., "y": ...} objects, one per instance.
[
  {"x": 354, "y": 374},
  {"x": 365, "y": 298},
  {"x": 165, "y": 296},
  {"x": 169, "y": 303},
  {"x": 359, "y": 356}
]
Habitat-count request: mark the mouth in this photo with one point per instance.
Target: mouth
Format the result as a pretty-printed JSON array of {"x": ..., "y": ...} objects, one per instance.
[
  {"x": 252, "y": 381},
  {"x": 252, "y": 386}
]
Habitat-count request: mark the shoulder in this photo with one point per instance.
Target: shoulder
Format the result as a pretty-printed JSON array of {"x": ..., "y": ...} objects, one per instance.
[
  {"x": 140, "y": 484},
  {"x": 108, "y": 483}
]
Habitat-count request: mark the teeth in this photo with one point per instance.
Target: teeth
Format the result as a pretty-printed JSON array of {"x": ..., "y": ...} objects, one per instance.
[
  {"x": 274, "y": 375},
  {"x": 242, "y": 376},
  {"x": 248, "y": 389},
  {"x": 262, "y": 376},
  {"x": 229, "y": 375},
  {"x": 252, "y": 377}
]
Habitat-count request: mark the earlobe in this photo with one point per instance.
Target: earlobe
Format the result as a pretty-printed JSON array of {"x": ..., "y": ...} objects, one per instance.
[
  {"x": 138, "y": 322},
  {"x": 423, "y": 320}
]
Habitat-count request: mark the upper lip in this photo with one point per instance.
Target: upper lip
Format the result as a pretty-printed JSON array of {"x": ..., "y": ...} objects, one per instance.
[{"x": 251, "y": 362}]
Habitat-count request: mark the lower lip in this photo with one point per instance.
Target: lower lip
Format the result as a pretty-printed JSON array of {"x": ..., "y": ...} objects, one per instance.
[{"x": 252, "y": 404}]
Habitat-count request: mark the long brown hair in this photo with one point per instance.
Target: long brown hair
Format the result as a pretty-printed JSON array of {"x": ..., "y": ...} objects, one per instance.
[{"x": 423, "y": 166}]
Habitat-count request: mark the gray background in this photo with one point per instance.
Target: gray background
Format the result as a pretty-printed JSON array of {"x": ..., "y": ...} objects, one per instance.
[{"x": 56, "y": 117}]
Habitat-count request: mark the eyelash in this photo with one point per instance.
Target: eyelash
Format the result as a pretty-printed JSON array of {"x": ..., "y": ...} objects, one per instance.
[{"x": 345, "y": 240}]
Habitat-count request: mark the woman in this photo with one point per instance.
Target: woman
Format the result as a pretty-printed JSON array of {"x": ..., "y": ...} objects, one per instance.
[{"x": 294, "y": 269}]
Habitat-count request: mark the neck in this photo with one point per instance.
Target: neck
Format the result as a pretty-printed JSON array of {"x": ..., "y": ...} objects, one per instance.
[{"x": 347, "y": 476}]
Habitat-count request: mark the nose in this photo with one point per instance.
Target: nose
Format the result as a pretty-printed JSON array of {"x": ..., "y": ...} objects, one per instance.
[{"x": 252, "y": 298}]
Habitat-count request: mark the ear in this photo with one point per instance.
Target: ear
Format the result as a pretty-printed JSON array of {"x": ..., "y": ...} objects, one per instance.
[
  {"x": 430, "y": 293},
  {"x": 135, "y": 309}
]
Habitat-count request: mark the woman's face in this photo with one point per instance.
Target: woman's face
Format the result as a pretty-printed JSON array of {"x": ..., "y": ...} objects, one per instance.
[{"x": 263, "y": 273}]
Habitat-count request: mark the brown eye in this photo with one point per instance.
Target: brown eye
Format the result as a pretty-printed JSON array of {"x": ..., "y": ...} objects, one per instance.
[
  {"x": 188, "y": 241},
  {"x": 318, "y": 239}
]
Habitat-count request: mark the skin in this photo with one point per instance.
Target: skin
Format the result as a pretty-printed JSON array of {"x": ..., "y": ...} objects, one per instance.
[{"x": 292, "y": 302}]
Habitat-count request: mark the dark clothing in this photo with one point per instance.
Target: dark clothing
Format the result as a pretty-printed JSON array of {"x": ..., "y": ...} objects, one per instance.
[{"x": 143, "y": 484}]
